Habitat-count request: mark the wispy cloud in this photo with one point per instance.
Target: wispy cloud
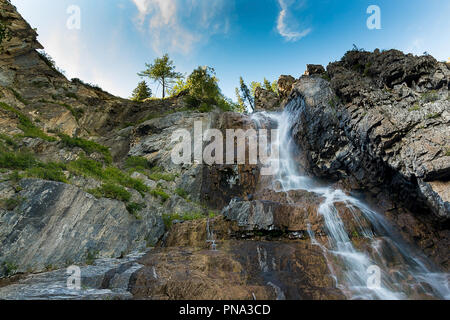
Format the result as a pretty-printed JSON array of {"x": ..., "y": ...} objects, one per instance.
[
  {"x": 287, "y": 26},
  {"x": 178, "y": 25}
]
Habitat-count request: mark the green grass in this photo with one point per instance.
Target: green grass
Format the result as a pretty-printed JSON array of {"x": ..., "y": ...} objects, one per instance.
[
  {"x": 447, "y": 152},
  {"x": 8, "y": 140},
  {"x": 47, "y": 171},
  {"x": 88, "y": 146},
  {"x": 16, "y": 161},
  {"x": 188, "y": 216},
  {"x": 116, "y": 175},
  {"x": 10, "y": 268},
  {"x": 11, "y": 203},
  {"x": 19, "y": 97},
  {"x": 26, "y": 125},
  {"x": 182, "y": 193},
  {"x": 137, "y": 163},
  {"x": 157, "y": 174},
  {"x": 433, "y": 115},
  {"x": 430, "y": 96},
  {"x": 158, "y": 192},
  {"x": 111, "y": 191}
]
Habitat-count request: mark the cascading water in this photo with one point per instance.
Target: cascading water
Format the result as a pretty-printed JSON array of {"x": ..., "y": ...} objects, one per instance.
[{"x": 387, "y": 268}]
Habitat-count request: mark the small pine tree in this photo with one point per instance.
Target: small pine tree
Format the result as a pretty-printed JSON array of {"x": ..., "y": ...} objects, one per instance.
[{"x": 141, "y": 92}]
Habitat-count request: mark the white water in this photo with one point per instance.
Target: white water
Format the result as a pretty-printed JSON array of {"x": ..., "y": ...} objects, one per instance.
[{"x": 404, "y": 273}]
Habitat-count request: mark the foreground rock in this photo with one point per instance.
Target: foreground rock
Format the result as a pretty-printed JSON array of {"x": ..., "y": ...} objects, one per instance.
[
  {"x": 58, "y": 225},
  {"x": 105, "y": 279}
]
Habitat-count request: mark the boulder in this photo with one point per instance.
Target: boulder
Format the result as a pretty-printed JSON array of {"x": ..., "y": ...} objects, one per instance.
[
  {"x": 58, "y": 225},
  {"x": 312, "y": 69}
]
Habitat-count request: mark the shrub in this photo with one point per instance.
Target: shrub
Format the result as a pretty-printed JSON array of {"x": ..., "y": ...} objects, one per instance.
[
  {"x": 49, "y": 171},
  {"x": 11, "y": 203},
  {"x": 133, "y": 208},
  {"x": 182, "y": 193},
  {"x": 430, "y": 96},
  {"x": 111, "y": 191},
  {"x": 158, "y": 192},
  {"x": 87, "y": 168},
  {"x": 20, "y": 161},
  {"x": 139, "y": 163},
  {"x": 188, "y": 216}
]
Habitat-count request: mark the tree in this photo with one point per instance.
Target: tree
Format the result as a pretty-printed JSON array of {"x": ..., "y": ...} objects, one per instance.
[
  {"x": 253, "y": 86},
  {"x": 246, "y": 94},
  {"x": 141, "y": 92},
  {"x": 203, "y": 84},
  {"x": 241, "y": 105},
  {"x": 163, "y": 71}
]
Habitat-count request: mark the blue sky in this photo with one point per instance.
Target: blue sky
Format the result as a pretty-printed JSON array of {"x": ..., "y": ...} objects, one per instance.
[{"x": 249, "y": 38}]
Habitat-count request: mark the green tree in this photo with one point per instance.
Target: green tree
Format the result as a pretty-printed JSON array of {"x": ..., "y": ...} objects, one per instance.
[
  {"x": 162, "y": 71},
  {"x": 203, "y": 84},
  {"x": 246, "y": 94},
  {"x": 241, "y": 105},
  {"x": 253, "y": 86},
  {"x": 141, "y": 92}
]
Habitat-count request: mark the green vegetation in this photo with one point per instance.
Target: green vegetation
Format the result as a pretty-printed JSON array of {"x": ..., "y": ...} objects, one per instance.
[
  {"x": 188, "y": 216},
  {"x": 430, "y": 96},
  {"x": 4, "y": 32},
  {"x": 137, "y": 163},
  {"x": 134, "y": 208},
  {"x": 447, "y": 152},
  {"x": 182, "y": 193},
  {"x": 110, "y": 175},
  {"x": 91, "y": 256},
  {"x": 89, "y": 85},
  {"x": 11, "y": 203},
  {"x": 10, "y": 268},
  {"x": 433, "y": 115},
  {"x": 50, "y": 62},
  {"x": 157, "y": 174},
  {"x": 246, "y": 94},
  {"x": 203, "y": 92},
  {"x": 88, "y": 146},
  {"x": 111, "y": 191},
  {"x": 416, "y": 107},
  {"x": 8, "y": 140},
  {"x": 19, "y": 96},
  {"x": 163, "y": 71},
  {"x": 26, "y": 125},
  {"x": 141, "y": 92}
]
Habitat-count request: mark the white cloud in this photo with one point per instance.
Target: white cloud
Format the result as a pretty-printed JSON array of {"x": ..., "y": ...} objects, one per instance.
[
  {"x": 286, "y": 25},
  {"x": 178, "y": 25}
]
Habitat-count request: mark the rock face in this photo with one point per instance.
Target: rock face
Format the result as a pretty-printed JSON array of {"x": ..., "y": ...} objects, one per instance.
[
  {"x": 285, "y": 84},
  {"x": 384, "y": 116},
  {"x": 57, "y": 225},
  {"x": 312, "y": 69}
]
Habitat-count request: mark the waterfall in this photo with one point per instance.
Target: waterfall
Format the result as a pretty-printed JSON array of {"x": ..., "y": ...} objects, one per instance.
[{"x": 387, "y": 268}]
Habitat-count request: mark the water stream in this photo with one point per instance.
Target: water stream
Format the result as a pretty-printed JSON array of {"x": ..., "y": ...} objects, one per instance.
[{"x": 385, "y": 267}]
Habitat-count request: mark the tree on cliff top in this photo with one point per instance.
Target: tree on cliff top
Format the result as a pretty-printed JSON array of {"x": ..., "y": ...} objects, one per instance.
[
  {"x": 162, "y": 71},
  {"x": 246, "y": 94},
  {"x": 141, "y": 92}
]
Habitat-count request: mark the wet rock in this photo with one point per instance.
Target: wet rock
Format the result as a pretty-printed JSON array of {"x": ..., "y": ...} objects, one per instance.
[
  {"x": 105, "y": 279},
  {"x": 241, "y": 270}
]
